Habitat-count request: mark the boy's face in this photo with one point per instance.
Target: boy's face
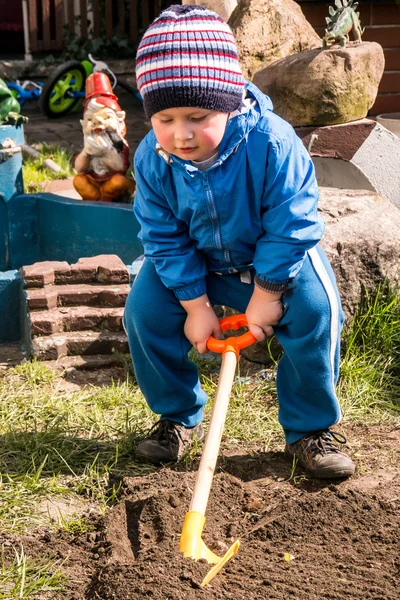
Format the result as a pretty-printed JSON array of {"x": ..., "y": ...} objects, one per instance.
[{"x": 190, "y": 133}]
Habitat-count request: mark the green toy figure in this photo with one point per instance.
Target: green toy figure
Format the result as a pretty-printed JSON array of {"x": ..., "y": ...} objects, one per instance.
[{"x": 9, "y": 107}]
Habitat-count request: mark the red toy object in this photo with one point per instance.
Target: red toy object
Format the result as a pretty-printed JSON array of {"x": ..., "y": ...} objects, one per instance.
[{"x": 104, "y": 160}]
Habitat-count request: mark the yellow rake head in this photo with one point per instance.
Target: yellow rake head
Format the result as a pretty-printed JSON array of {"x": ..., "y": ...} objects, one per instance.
[{"x": 192, "y": 545}]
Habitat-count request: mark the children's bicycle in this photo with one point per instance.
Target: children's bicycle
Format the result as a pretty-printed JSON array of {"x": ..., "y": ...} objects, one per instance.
[
  {"x": 66, "y": 88},
  {"x": 24, "y": 91}
]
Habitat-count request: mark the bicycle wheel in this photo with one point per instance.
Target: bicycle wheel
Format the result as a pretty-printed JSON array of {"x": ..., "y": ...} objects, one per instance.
[{"x": 64, "y": 90}]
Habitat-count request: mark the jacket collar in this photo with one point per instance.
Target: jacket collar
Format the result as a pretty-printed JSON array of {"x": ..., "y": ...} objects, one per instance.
[{"x": 237, "y": 129}]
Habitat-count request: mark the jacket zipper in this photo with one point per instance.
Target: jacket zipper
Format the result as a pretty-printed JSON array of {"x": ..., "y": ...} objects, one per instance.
[{"x": 213, "y": 212}]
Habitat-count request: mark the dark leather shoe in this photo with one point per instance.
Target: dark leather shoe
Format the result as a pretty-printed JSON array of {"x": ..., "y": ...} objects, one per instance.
[
  {"x": 167, "y": 442},
  {"x": 318, "y": 454}
]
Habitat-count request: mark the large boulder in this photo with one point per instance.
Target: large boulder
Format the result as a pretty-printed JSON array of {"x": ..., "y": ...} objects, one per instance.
[
  {"x": 362, "y": 241},
  {"x": 267, "y": 30},
  {"x": 324, "y": 87}
]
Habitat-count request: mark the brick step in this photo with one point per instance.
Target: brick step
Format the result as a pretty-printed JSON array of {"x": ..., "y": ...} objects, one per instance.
[
  {"x": 76, "y": 318},
  {"x": 90, "y": 362},
  {"x": 77, "y": 343},
  {"x": 106, "y": 268},
  {"x": 53, "y": 296}
]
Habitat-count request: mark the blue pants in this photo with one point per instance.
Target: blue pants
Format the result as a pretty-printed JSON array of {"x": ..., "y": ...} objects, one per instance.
[{"x": 309, "y": 333}]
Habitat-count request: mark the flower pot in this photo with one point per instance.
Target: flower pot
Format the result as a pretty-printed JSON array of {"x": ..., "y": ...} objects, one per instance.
[{"x": 391, "y": 121}]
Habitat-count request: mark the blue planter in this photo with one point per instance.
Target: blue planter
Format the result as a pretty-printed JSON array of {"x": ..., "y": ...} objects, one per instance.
[{"x": 39, "y": 227}]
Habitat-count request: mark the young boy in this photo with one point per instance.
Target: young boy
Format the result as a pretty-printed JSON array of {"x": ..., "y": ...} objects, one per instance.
[{"x": 227, "y": 203}]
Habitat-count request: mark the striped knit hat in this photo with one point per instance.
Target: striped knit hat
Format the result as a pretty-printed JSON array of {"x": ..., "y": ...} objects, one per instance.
[{"x": 188, "y": 57}]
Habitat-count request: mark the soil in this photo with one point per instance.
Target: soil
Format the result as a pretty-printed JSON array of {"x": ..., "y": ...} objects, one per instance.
[{"x": 300, "y": 538}]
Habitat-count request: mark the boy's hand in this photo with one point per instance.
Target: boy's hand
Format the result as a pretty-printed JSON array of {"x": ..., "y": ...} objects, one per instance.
[
  {"x": 263, "y": 311},
  {"x": 201, "y": 322}
]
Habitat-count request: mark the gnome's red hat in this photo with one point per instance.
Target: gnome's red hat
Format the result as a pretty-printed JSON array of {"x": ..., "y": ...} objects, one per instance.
[{"x": 98, "y": 86}]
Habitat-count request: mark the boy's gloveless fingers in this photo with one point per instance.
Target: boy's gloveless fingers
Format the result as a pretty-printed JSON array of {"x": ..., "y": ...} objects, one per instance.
[
  {"x": 259, "y": 333},
  {"x": 201, "y": 347}
]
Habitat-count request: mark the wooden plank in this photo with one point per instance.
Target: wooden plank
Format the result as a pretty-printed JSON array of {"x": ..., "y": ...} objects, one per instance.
[
  {"x": 133, "y": 22},
  {"x": 96, "y": 17},
  {"x": 145, "y": 14},
  {"x": 46, "y": 23},
  {"x": 109, "y": 19},
  {"x": 83, "y": 12},
  {"x": 59, "y": 20},
  {"x": 71, "y": 15},
  {"x": 121, "y": 17},
  {"x": 33, "y": 28}
]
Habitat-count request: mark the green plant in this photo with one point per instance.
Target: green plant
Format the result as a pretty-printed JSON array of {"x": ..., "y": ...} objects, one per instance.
[{"x": 370, "y": 367}]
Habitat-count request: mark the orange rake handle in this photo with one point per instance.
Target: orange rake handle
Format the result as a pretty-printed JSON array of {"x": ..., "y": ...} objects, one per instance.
[{"x": 232, "y": 344}]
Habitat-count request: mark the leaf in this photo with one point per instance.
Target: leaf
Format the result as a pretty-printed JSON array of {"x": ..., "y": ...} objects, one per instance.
[
  {"x": 338, "y": 3},
  {"x": 288, "y": 557},
  {"x": 331, "y": 11}
]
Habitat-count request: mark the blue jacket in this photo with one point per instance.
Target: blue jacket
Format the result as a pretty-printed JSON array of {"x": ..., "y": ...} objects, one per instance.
[{"x": 256, "y": 206}]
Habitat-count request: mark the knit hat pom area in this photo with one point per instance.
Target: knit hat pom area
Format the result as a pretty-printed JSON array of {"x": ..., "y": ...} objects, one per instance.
[{"x": 188, "y": 57}]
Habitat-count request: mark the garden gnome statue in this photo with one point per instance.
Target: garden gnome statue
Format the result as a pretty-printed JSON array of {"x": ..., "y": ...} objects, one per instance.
[{"x": 104, "y": 160}]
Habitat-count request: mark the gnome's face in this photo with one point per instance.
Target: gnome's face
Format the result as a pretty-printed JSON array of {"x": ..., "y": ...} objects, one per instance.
[{"x": 102, "y": 120}]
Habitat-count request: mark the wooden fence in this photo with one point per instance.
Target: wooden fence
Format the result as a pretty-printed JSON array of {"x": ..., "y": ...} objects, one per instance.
[{"x": 89, "y": 18}]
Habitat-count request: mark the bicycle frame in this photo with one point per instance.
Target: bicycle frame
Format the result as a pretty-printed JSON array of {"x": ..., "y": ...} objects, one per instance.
[{"x": 25, "y": 95}]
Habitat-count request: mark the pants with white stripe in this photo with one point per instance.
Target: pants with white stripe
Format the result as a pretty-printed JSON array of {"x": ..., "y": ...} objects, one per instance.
[{"x": 309, "y": 333}]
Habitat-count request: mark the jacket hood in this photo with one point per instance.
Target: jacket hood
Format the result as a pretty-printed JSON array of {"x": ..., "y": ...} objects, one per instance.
[
  {"x": 239, "y": 126},
  {"x": 237, "y": 129}
]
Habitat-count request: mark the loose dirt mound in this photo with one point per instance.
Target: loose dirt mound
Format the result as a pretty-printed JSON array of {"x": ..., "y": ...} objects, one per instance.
[{"x": 343, "y": 537}]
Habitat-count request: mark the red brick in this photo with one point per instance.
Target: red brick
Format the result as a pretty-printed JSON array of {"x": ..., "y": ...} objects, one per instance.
[
  {"x": 41, "y": 299},
  {"x": 390, "y": 83},
  {"x": 110, "y": 268},
  {"x": 75, "y": 274},
  {"x": 387, "y": 37},
  {"x": 392, "y": 59},
  {"x": 385, "y": 14},
  {"x": 116, "y": 297},
  {"x": 94, "y": 318},
  {"x": 79, "y": 343},
  {"x": 85, "y": 363},
  {"x": 49, "y": 348},
  {"x": 77, "y": 295},
  {"x": 41, "y": 273},
  {"x": 386, "y": 103},
  {"x": 74, "y": 295},
  {"x": 46, "y": 322}
]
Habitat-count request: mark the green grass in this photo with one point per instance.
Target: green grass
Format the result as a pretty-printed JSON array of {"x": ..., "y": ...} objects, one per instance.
[
  {"x": 25, "y": 577},
  {"x": 59, "y": 445},
  {"x": 35, "y": 174},
  {"x": 369, "y": 384}
]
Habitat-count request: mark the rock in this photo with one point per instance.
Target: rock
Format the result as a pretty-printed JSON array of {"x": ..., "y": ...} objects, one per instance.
[
  {"x": 324, "y": 87},
  {"x": 362, "y": 241},
  {"x": 223, "y": 8},
  {"x": 267, "y": 30}
]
